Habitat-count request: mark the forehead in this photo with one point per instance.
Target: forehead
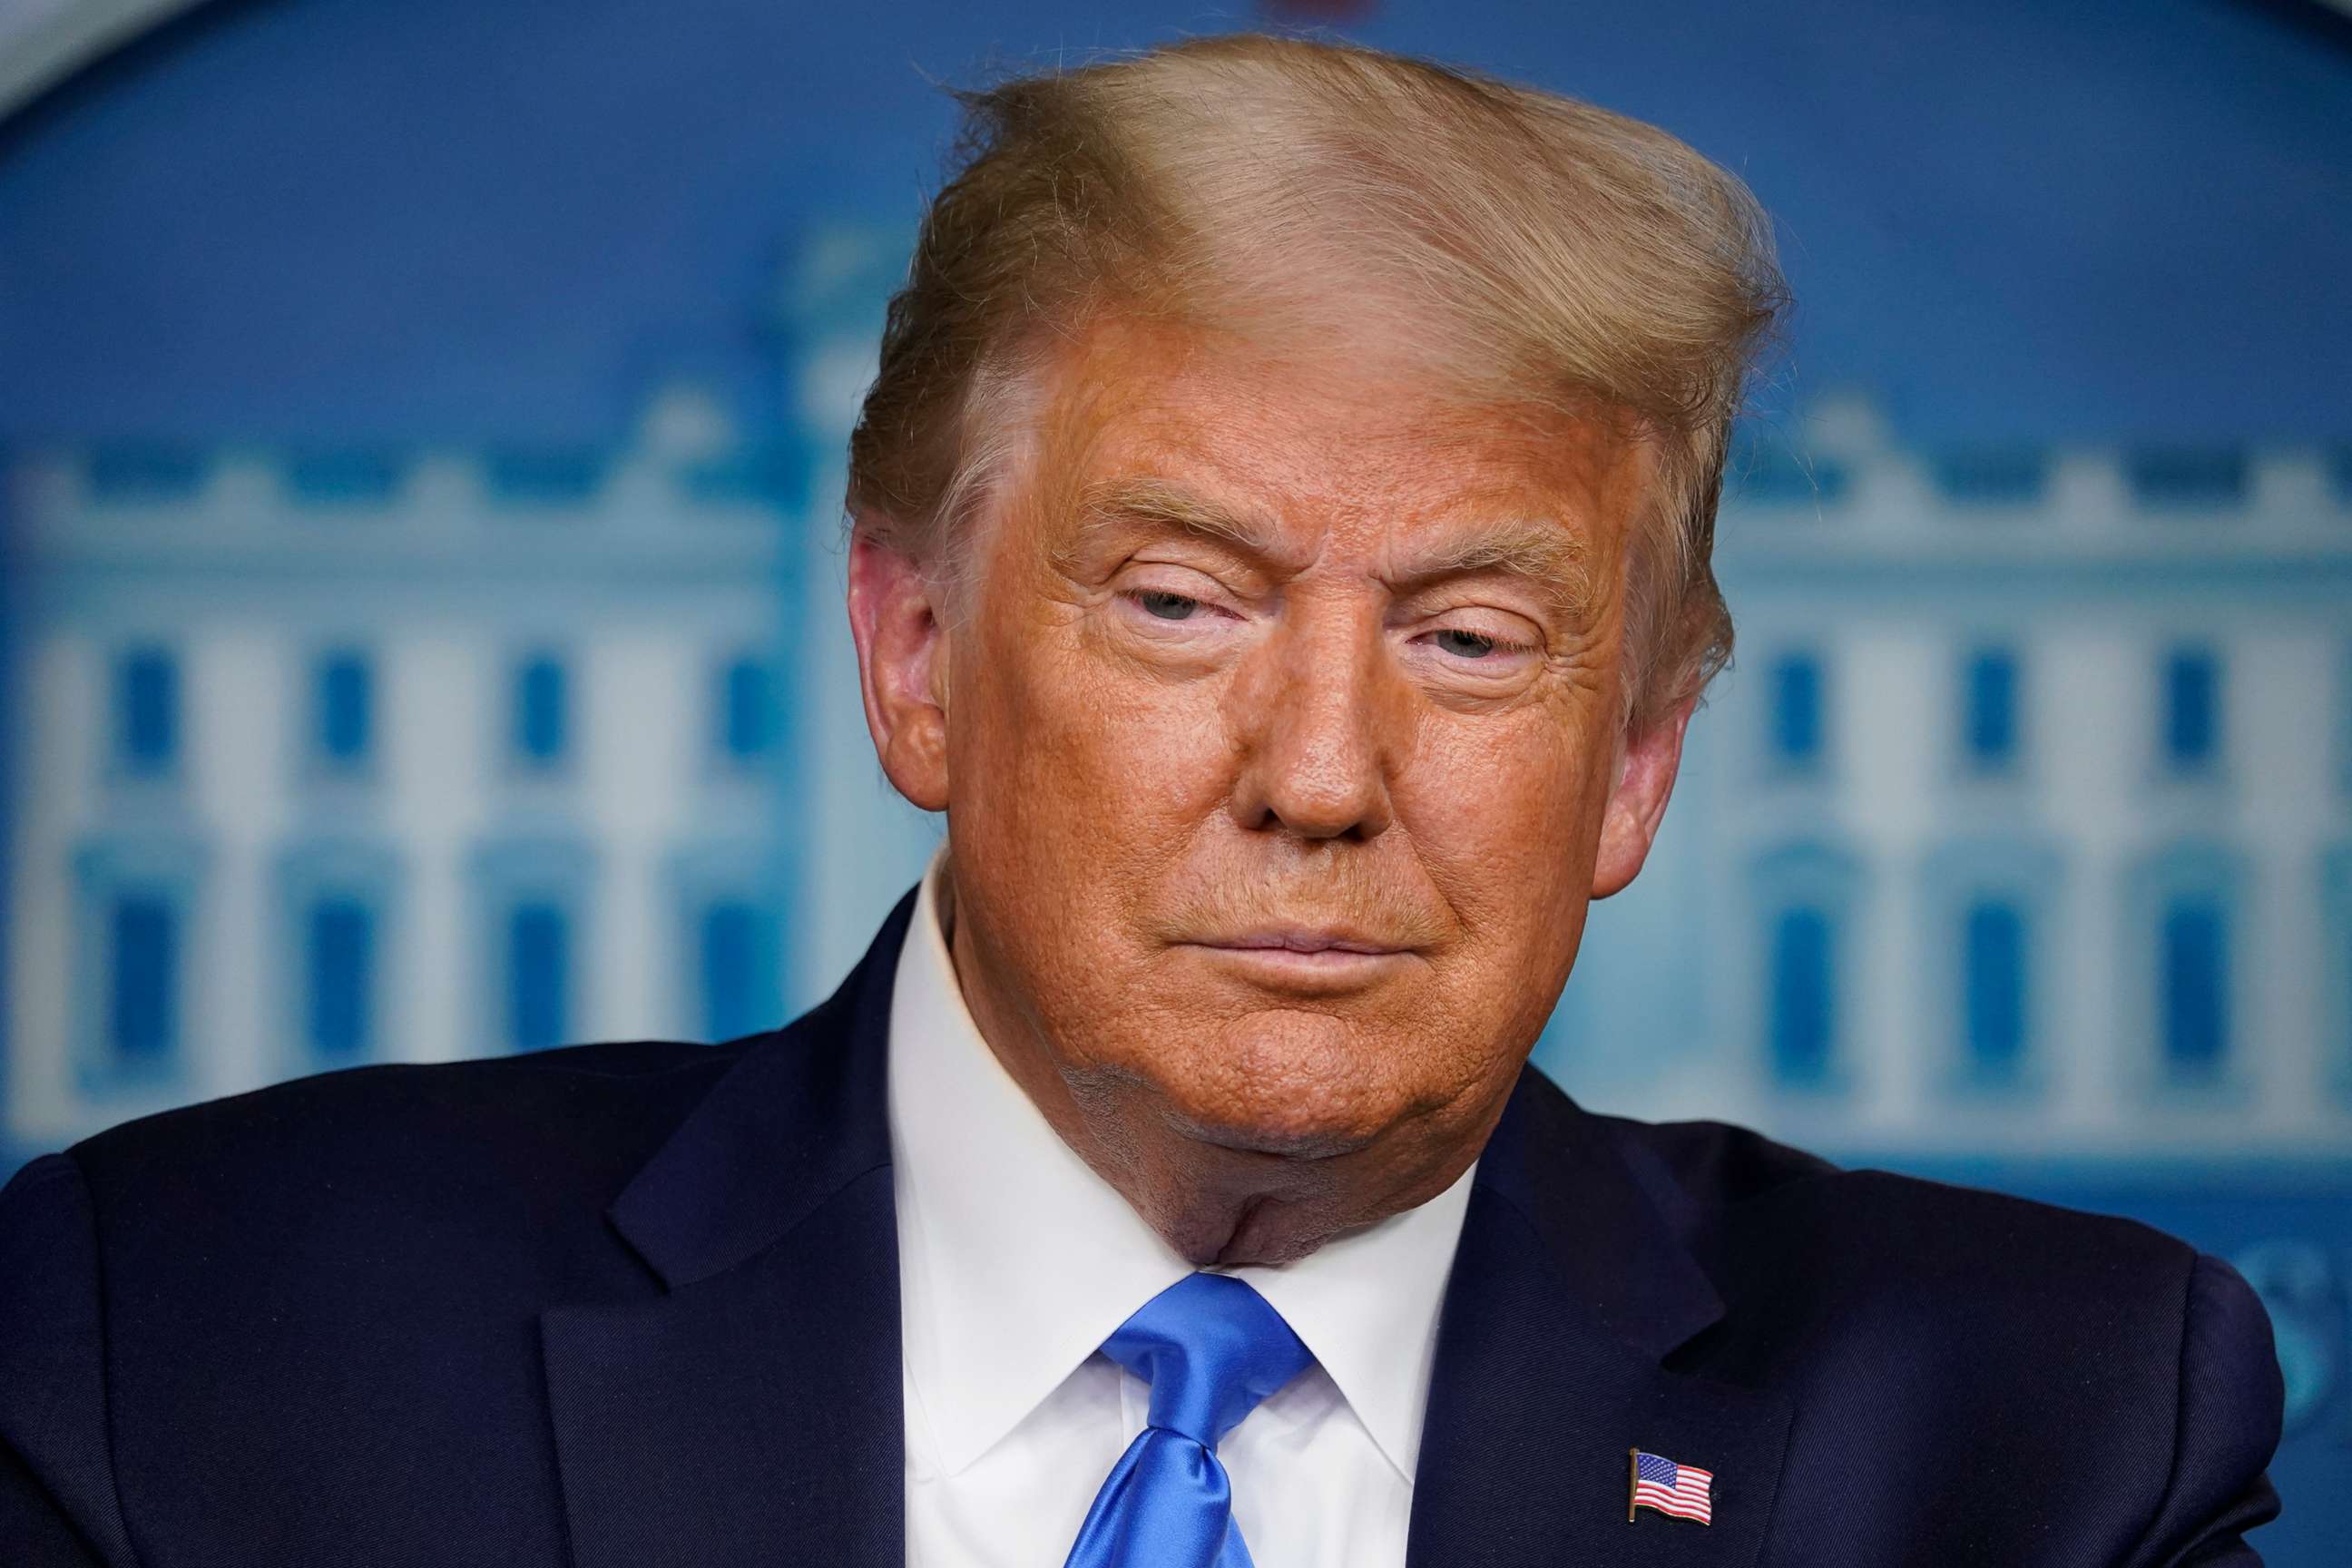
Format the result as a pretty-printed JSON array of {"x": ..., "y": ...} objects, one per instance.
[{"x": 1337, "y": 440}]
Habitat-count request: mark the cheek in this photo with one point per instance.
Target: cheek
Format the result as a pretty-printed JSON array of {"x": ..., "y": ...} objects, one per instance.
[
  {"x": 1500, "y": 788},
  {"x": 1075, "y": 774},
  {"x": 1504, "y": 817}
]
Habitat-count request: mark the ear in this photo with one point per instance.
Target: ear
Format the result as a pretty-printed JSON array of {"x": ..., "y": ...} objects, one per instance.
[
  {"x": 1637, "y": 800},
  {"x": 897, "y": 618}
]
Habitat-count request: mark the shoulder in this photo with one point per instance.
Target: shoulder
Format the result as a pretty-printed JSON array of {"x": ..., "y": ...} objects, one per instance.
[
  {"x": 340, "y": 1275},
  {"x": 567, "y": 1104},
  {"x": 1764, "y": 1217},
  {"x": 1935, "y": 1318},
  {"x": 1949, "y": 1330},
  {"x": 376, "y": 1159},
  {"x": 362, "y": 1252}
]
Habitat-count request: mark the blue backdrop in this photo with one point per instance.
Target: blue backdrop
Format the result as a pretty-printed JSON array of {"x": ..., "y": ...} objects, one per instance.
[{"x": 421, "y": 425}]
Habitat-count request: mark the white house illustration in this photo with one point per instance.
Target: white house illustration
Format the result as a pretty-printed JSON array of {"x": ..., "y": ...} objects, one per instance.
[{"x": 2019, "y": 824}]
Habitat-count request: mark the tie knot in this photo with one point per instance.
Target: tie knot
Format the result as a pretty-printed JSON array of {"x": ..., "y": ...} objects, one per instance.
[{"x": 1210, "y": 1348}]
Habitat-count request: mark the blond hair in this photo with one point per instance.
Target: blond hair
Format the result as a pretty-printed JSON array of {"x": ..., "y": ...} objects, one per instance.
[{"x": 1536, "y": 245}]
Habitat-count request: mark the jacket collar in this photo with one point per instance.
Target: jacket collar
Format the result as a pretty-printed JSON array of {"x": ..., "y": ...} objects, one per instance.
[
  {"x": 751, "y": 1412},
  {"x": 798, "y": 1119},
  {"x": 1612, "y": 1220}
]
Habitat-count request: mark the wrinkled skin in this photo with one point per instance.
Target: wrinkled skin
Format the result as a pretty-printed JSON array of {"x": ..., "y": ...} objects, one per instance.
[{"x": 1387, "y": 718}]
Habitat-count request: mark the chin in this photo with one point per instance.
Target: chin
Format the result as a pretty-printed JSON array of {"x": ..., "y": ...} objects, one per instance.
[
  {"x": 1307, "y": 1087},
  {"x": 1281, "y": 1138}
]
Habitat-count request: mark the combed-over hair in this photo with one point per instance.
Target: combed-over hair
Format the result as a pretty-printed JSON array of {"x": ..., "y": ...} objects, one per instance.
[{"x": 1537, "y": 247}]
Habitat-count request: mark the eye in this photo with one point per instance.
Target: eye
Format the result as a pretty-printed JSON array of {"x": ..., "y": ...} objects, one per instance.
[
  {"x": 1473, "y": 645},
  {"x": 1466, "y": 645},
  {"x": 1165, "y": 605},
  {"x": 1173, "y": 603}
]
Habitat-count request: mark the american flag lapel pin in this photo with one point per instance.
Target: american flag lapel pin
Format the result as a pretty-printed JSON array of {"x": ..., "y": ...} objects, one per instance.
[{"x": 1683, "y": 1490}]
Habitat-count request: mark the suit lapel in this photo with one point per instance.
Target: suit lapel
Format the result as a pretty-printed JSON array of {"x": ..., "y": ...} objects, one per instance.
[
  {"x": 751, "y": 1412},
  {"x": 1572, "y": 1282}
]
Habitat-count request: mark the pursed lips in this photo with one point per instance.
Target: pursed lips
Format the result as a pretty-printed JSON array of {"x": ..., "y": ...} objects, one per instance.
[{"x": 1302, "y": 941}]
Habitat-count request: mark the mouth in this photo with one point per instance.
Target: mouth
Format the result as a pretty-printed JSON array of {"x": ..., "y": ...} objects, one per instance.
[
  {"x": 1307, "y": 960},
  {"x": 1302, "y": 940}
]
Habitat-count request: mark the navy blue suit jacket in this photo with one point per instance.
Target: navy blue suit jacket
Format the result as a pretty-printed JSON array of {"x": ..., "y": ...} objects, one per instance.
[{"x": 631, "y": 1305}]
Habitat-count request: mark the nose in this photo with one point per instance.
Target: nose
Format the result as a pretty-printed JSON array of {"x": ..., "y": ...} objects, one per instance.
[{"x": 1318, "y": 724}]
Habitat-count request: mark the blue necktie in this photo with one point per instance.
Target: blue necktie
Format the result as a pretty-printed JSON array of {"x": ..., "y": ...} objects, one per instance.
[{"x": 1212, "y": 1348}]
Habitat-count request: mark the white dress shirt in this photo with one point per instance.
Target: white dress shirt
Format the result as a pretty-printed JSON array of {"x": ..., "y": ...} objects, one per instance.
[{"x": 1016, "y": 1262}]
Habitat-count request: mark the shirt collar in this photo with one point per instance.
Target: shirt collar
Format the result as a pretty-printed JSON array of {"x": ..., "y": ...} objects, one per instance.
[{"x": 1016, "y": 1260}]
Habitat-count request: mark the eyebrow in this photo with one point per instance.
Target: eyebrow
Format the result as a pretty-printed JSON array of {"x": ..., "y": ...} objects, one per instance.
[
  {"x": 1156, "y": 503},
  {"x": 1556, "y": 561},
  {"x": 1554, "y": 558}
]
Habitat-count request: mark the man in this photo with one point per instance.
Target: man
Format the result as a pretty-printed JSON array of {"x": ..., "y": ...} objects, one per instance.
[{"x": 1281, "y": 530}]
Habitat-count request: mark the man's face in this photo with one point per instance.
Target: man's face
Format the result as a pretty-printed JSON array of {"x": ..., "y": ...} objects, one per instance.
[{"x": 1280, "y": 745}]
